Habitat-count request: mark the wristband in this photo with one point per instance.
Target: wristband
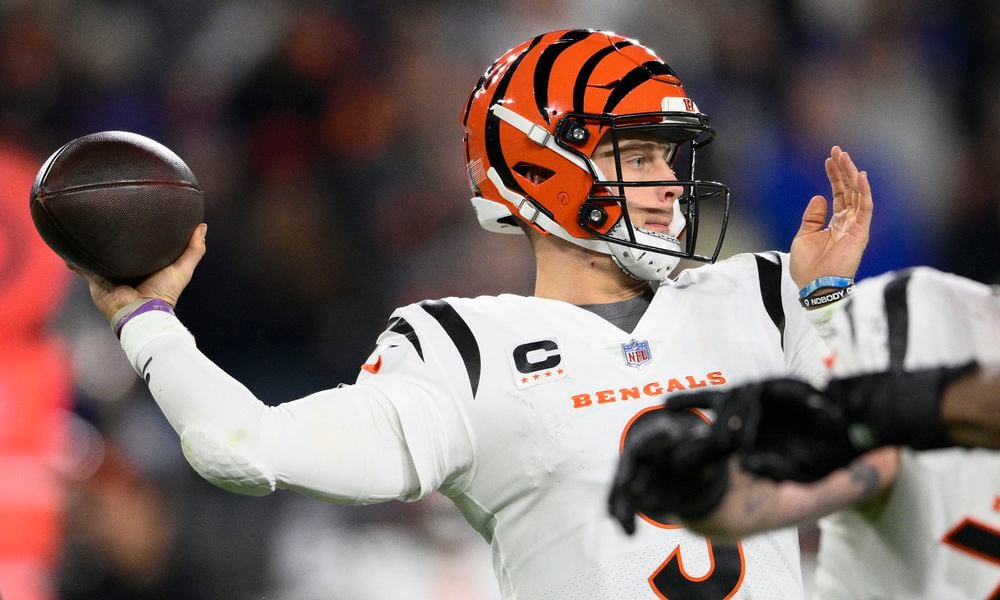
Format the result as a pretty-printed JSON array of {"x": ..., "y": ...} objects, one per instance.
[
  {"x": 135, "y": 309},
  {"x": 824, "y": 282},
  {"x": 829, "y": 298}
]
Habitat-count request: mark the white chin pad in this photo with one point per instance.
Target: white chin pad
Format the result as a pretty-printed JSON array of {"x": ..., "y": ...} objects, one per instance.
[{"x": 645, "y": 264}]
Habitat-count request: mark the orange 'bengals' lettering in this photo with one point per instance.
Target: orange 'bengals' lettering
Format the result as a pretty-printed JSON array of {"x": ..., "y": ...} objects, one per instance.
[
  {"x": 673, "y": 386},
  {"x": 692, "y": 384},
  {"x": 627, "y": 393},
  {"x": 605, "y": 396},
  {"x": 651, "y": 389}
]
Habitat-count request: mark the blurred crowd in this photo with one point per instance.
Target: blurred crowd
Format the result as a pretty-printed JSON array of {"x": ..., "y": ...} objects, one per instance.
[{"x": 326, "y": 138}]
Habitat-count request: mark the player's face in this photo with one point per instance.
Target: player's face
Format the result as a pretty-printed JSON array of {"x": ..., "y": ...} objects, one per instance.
[{"x": 643, "y": 158}]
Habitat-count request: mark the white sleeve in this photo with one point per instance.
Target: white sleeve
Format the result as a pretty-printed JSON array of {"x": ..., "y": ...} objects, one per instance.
[
  {"x": 415, "y": 349},
  {"x": 915, "y": 319},
  {"x": 343, "y": 445}
]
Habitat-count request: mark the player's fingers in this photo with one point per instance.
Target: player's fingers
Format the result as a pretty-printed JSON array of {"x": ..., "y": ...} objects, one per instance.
[
  {"x": 833, "y": 173},
  {"x": 96, "y": 282},
  {"x": 194, "y": 252},
  {"x": 619, "y": 504},
  {"x": 700, "y": 451},
  {"x": 865, "y": 204},
  {"x": 621, "y": 509},
  {"x": 769, "y": 465},
  {"x": 849, "y": 172},
  {"x": 199, "y": 238},
  {"x": 814, "y": 216}
]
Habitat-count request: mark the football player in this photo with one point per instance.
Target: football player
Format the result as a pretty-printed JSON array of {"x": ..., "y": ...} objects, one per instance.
[
  {"x": 915, "y": 360},
  {"x": 516, "y": 407}
]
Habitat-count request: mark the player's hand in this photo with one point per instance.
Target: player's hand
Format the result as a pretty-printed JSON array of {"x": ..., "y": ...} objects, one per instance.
[
  {"x": 782, "y": 429},
  {"x": 834, "y": 250},
  {"x": 671, "y": 464},
  {"x": 166, "y": 284}
]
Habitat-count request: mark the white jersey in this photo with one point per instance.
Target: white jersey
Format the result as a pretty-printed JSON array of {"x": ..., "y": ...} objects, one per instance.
[
  {"x": 546, "y": 392},
  {"x": 937, "y": 536},
  {"x": 516, "y": 409}
]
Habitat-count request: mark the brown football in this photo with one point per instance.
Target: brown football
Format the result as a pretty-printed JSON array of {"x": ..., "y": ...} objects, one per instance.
[{"x": 117, "y": 204}]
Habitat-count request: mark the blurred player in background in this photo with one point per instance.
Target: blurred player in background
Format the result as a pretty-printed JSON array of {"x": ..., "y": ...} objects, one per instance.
[
  {"x": 915, "y": 361},
  {"x": 516, "y": 407}
]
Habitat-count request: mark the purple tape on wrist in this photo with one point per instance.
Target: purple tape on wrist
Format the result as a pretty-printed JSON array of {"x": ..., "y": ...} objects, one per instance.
[{"x": 146, "y": 307}]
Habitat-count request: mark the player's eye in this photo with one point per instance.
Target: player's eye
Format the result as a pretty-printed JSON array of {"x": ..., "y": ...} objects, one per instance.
[{"x": 636, "y": 162}]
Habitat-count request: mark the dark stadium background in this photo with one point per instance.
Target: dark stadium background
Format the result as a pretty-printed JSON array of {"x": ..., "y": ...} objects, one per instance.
[{"x": 327, "y": 140}]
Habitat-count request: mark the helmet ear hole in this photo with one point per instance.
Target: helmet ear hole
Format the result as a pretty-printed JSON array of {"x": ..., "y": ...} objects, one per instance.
[{"x": 534, "y": 174}]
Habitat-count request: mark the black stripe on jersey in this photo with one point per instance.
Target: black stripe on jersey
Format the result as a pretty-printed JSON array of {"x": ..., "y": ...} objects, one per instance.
[
  {"x": 145, "y": 370},
  {"x": 897, "y": 315},
  {"x": 634, "y": 79},
  {"x": 769, "y": 275},
  {"x": 460, "y": 334},
  {"x": 402, "y": 327},
  {"x": 583, "y": 77},
  {"x": 494, "y": 152},
  {"x": 976, "y": 538},
  {"x": 543, "y": 69},
  {"x": 849, "y": 309}
]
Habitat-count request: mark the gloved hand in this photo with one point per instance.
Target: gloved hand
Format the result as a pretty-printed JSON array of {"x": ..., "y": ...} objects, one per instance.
[
  {"x": 671, "y": 464},
  {"x": 786, "y": 429},
  {"x": 780, "y": 428}
]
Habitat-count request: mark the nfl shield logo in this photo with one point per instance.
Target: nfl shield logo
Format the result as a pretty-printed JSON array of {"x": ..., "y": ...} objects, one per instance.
[{"x": 636, "y": 353}]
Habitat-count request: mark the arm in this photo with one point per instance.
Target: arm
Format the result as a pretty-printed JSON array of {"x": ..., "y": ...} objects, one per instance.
[
  {"x": 345, "y": 445},
  {"x": 754, "y": 504},
  {"x": 785, "y": 429},
  {"x": 721, "y": 498},
  {"x": 970, "y": 409}
]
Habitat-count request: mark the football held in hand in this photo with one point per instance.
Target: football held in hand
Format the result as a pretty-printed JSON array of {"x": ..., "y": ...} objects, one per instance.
[{"x": 116, "y": 204}]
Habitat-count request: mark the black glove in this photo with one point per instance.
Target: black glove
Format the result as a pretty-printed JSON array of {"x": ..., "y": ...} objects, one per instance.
[
  {"x": 671, "y": 464},
  {"x": 781, "y": 428},
  {"x": 786, "y": 429},
  {"x": 897, "y": 407}
]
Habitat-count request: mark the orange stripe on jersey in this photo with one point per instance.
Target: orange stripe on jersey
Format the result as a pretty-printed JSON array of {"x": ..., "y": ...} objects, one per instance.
[{"x": 374, "y": 367}]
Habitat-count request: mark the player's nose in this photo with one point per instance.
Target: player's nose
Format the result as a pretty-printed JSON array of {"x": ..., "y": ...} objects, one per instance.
[{"x": 667, "y": 193}]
